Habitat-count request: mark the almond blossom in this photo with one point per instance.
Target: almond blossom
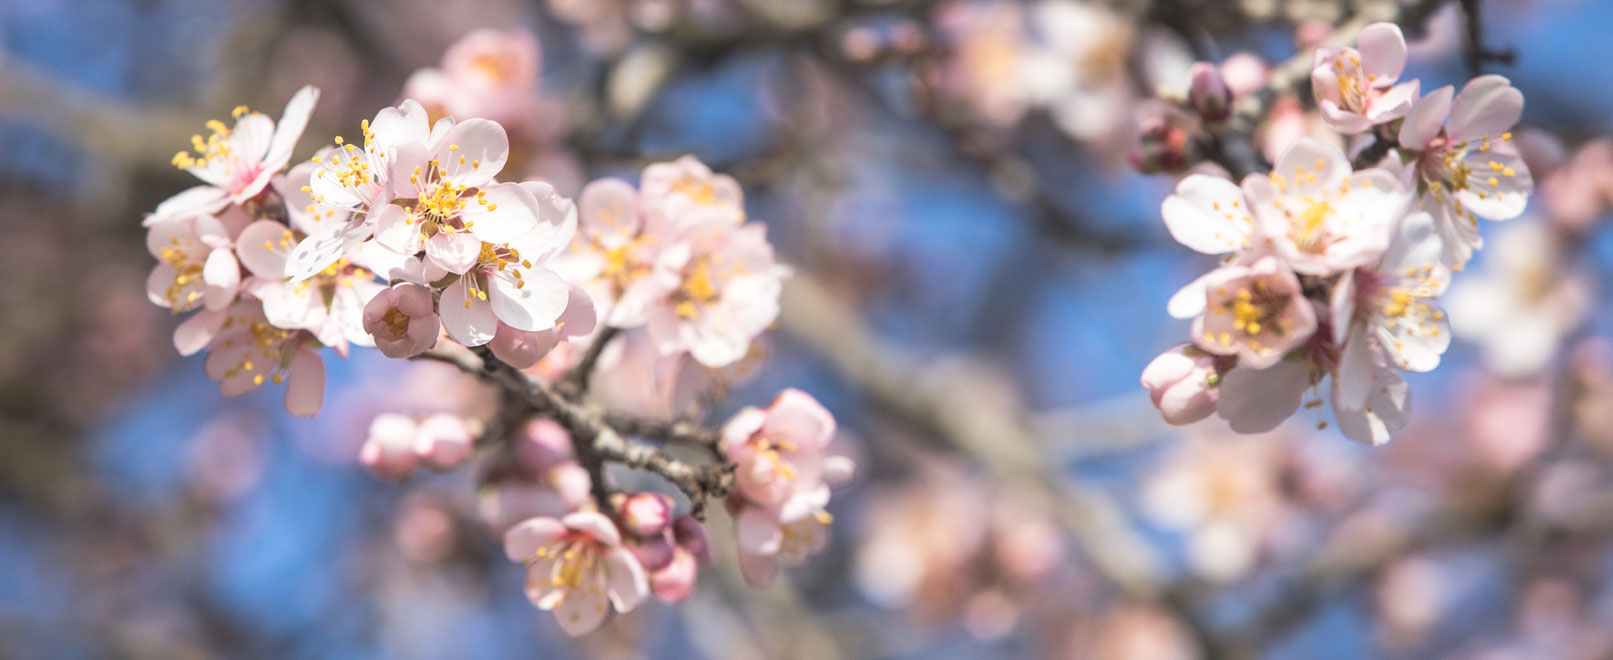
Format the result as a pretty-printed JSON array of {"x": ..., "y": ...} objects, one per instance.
[
  {"x": 1355, "y": 89},
  {"x": 1320, "y": 215},
  {"x": 330, "y": 303},
  {"x": 782, "y": 482},
  {"x": 196, "y": 264},
  {"x": 687, "y": 180},
  {"x": 727, "y": 292},
  {"x": 577, "y": 567},
  {"x": 618, "y": 237},
  {"x": 236, "y": 163},
  {"x": 248, "y": 351},
  {"x": 510, "y": 283},
  {"x": 402, "y": 320},
  {"x": 1464, "y": 168},
  {"x": 1524, "y": 302},
  {"x": 1388, "y": 315},
  {"x": 1257, "y": 313}
]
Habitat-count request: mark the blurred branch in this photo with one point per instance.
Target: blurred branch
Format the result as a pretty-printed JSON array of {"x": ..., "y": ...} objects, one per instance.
[
  {"x": 950, "y": 414},
  {"x": 1474, "y": 53}
]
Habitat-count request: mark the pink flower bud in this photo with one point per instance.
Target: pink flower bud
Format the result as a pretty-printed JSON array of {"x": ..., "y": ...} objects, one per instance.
[
  {"x": 1209, "y": 94},
  {"x": 443, "y": 441},
  {"x": 675, "y": 581},
  {"x": 1182, "y": 382},
  {"x": 654, "y": 553},
  {"x": 690, "y": 535},
  {"x": 542, "y": 445},
  {"x": 403, "y": 320},
  {"x": 571, "y": 481},
  {"x": 388, "y": 452},
  {"x": 647, "y": 514},
  {"x": 1245, "y": 73}
]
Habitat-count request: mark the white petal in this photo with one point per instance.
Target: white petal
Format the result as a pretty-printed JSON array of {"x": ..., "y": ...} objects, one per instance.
[
  {"x": 1487, "y": 106},
  {"x": 506, "y": 211},
  {"x": 292, "y": 123},
  {"x": 1426, "y": 119},
  {"x": 535, "y": 305},
  {"x": 472, "y": 152},
  {"x": 469, "y": 320},
  {"x": 1208, "y": 214},
  {"x": 1388, "y": 406}
]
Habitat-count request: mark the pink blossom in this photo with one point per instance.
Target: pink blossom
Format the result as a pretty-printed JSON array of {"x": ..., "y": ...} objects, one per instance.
[
  {"x": 577, "y": 567},
  {"x": 388, "y": 451},
  {"x": 196, "y": 264},
  {"x": 1387, "y": 314},
  {"x": 542, "y": 444},
  {"x": 779, "y": 450},
  {"x": 618, "y": 237},
  {"x": 1466, "y": 168},
  {"x": 330, "y": 304},
  {"x": 782, "y": 482},
  {"x": 443, "y": 442},
  {"x": 1320, "y": 216},
  {"x": 1356, "y": 89},
  {"x": 523, "y": 349},
  {"x": 688, "y": 181},
  {"x": 727, "y": 292},
  {"x": 1257, "y": 313},
  {"x": 402, "y": 320},
  {"x": 248, "y": 350},
  {"x": 236, "y": 163},
  {"x": 1182, "y": 383},
  {"x": 510, "y": 282}
]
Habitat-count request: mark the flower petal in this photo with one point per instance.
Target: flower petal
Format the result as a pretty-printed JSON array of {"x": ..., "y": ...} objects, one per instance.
[
  {"x": 292, "y": 123},
  {"x": 1426, "y": 119},
  {"x": 472, "y": 152},
  {"x": 501, "y": 212},
  {"x": 1383, "y": 52},
  {"x": 522, "y": 541},
  {"x": 468, "y": 319},
  {"x": 532, "y": 303},
  {"x": 305, "y": 383},
  {"x": 1487, "y": 106},
  {"x": 1257, "y": 400},
  {"x": 1208, "y": 214},
  {"x": 627, "y": 584}
]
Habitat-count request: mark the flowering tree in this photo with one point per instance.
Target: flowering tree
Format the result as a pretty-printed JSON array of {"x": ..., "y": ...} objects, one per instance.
[{"x": 613, "y": 296}]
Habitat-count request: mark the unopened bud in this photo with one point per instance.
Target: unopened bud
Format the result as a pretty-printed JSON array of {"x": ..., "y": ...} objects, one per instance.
[{"x": 1208, "y": 94}]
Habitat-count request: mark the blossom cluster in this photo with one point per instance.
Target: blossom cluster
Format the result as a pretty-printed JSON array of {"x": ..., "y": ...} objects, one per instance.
[
  {"x": 417, "y": 238},
  {"x": 1331, "y": 273}
]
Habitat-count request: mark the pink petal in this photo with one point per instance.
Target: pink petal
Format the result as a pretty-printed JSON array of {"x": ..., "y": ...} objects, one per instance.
[
  {"x": 305, "y": 383},
  {"x": 627, "y": 583},
  {"x": 1426, "y": 119},
  {"x": 263, "y": 247},
  {"x": 1487, "y": 106},
  {"x": 534, "y": 305},
  {"x": 196, "y": 332},
  {"x": 1257, "y": 400},
  {"x": 455, "y": 252},
  {"x": 595, "y": 525},
  {"x": 609, "y": 212},
  {"x": 1383, "y": 52},
  {"x": 522, "y": 541}
]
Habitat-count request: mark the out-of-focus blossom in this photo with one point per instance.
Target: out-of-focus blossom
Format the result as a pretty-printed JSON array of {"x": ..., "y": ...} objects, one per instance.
[
  {"x": 236, "y": 163},
  {"x": 443, "y": 441},
  {"x": 1223, "y": 494},
  {"x": 1466, "y": 169},
  {"x": 196, "y": 264},
  {"x": 1356, "y": 89},
  {"x": 1582, "y": 189},
  {"x": 1164, "y": 139},
  {"x": 388, "y": 452},
  {"x": 577, "y": 567},
  {"x": 783, "y": 480},
  {"x": 1528, "y": 298}
]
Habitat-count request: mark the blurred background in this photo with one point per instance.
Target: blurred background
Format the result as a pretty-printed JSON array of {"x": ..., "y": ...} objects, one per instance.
[{"x": 981, "y": 275}]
